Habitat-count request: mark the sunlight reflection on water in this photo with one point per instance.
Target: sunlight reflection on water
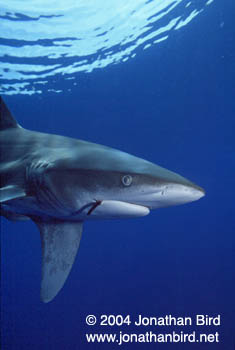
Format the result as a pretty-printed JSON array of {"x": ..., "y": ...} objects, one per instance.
[{"x": 41, "y": 39}]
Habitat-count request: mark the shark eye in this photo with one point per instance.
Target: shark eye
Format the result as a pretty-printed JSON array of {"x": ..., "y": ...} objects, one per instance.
[{"x": 127, "y": 180}]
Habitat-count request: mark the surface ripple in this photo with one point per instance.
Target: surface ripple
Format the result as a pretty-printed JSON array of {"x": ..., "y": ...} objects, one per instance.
[{"x": 41, "y": 40}]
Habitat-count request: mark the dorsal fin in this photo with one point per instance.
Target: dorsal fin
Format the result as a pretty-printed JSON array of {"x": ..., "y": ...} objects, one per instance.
[{"x": 6, "y": 119}]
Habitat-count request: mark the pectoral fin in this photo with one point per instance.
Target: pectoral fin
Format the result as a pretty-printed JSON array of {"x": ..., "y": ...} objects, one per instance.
[
  {"x": 60, "y": 242},
  {"x": 8, "y": 193}
]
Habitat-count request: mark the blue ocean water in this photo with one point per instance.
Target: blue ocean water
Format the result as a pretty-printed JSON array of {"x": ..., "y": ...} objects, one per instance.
[{"x": 172, "y": 103}]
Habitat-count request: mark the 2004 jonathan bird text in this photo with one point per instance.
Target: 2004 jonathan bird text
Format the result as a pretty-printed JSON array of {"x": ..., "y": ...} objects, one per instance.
[{"x": 167, "y": 320}]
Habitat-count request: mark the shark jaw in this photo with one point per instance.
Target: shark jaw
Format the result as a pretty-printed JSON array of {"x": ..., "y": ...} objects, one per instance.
[{"x": 168, "y": 195}]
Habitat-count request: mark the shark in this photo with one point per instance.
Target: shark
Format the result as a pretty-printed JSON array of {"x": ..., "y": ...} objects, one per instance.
[{"x": 60, "y": 182}]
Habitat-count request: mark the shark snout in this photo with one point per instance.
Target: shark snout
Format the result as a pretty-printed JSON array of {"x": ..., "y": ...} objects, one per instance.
[
  {"x": 176, "y": 194},
  {"x": 180, "y": 194}
]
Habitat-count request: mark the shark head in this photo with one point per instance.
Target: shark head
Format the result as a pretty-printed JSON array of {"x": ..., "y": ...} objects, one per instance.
[{"x": 107, "y": 183}]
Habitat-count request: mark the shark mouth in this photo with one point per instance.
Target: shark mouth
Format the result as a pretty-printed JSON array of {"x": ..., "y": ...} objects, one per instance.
[
  {"x": 95, "y": 205},
  {"x": 116, "y": 209}
]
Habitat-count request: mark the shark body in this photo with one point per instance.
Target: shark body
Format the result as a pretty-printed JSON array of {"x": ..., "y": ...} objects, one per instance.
[{"x": 59, "y": 183}]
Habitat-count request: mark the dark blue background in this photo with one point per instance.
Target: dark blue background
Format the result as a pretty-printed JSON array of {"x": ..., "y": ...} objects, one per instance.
[{"x": 173, "y": 104}]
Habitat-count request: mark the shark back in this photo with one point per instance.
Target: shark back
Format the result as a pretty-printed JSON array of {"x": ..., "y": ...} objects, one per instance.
[{"x": 6, "y": 119}]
